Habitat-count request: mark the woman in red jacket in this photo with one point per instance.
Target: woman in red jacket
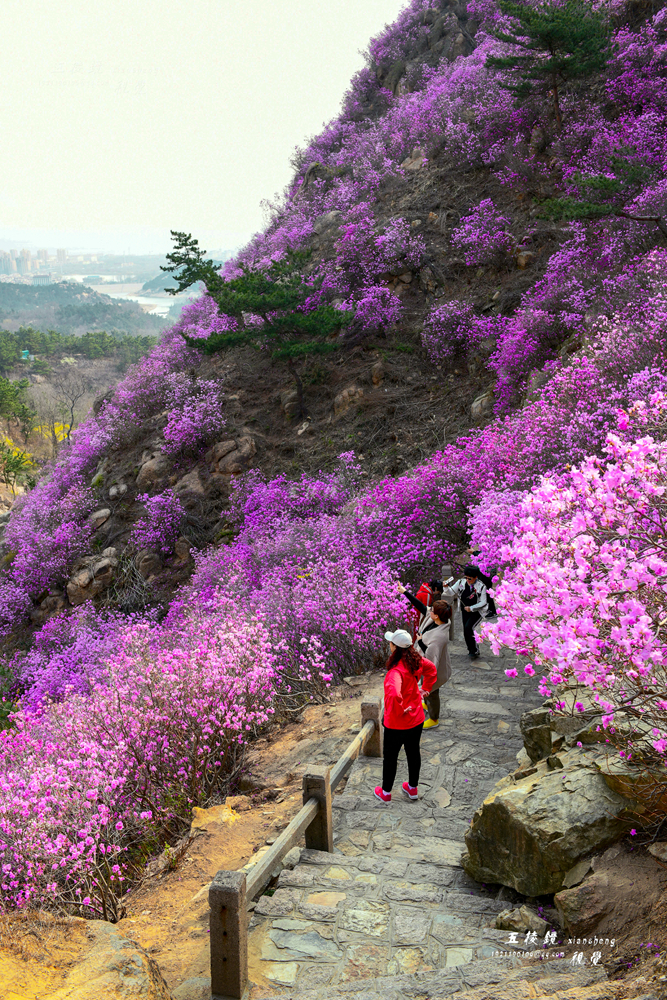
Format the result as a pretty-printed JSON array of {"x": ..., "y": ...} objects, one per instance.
[{"x": 403, "y": 711}]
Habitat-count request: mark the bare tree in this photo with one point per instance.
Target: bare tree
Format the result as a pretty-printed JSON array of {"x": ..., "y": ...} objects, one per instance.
[{"x": 69, "y": 388}]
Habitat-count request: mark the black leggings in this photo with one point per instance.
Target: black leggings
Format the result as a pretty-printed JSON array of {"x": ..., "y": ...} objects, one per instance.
[
  {"x": 470, "y": 619},
  {"x": 394, "y": 739}
]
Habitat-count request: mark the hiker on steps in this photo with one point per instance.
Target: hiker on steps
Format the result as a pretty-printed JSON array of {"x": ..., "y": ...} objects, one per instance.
[
  {"x": 487, "y": 580},
  {"x": 472, "y": 593},
  {"x": 403, "y": 711},
  {"x": 433, "y": 642}
]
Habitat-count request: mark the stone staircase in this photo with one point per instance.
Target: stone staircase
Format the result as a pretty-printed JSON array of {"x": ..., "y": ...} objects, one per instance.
[{"x": 391, "y": 914}]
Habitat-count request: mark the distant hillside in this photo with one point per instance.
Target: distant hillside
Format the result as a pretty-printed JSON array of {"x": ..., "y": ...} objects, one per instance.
[
  {"x": 159, "y": 283},
  {"x": 70, "y": 308}
]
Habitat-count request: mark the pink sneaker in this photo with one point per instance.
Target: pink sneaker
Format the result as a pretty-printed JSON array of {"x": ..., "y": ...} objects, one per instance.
[
  {"x": 380, "y": 794},
  {"x": 411, "y": 792}
]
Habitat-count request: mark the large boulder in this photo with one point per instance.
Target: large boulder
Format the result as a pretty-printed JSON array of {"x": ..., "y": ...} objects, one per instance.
[
  {"x": 621, "y": 896},
  {"x": 91, "y": 576},
  {"x": 152, "y": 472},
  {"x": 115, "y": 968},
  {"x": 232, "y": 456},
  {"x": 532, "y": 829}
]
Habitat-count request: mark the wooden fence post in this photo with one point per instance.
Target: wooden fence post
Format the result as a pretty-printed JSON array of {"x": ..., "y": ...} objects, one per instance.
[
  {"x": 371, "y": 710},
  {"x": 229, "y": 935},
  {"x": 317, "y": 785}
]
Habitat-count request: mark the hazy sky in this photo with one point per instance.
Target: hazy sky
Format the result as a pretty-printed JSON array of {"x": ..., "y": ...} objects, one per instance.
[{"x": 124, "y": 119}]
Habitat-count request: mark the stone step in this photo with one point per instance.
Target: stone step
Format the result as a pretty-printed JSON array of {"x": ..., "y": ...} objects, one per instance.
[{"x": 488, "y": 979}]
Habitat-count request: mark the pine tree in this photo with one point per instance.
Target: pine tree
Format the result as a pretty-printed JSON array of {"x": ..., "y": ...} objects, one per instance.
[
  {"x": 559, "y": 42},
  {"x": 270, "y": 306},
  {"x": 604, "y": 195}
]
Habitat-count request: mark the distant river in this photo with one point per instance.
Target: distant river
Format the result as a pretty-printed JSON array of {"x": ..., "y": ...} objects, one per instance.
[{"x": 156, "y": 305}]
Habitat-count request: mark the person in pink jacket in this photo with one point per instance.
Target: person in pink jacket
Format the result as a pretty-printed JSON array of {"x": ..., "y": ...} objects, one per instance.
[{"x": 403, "y": 711}]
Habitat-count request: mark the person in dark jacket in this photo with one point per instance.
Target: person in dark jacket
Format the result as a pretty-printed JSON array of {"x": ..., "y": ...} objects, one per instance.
[
  {"x": 487, "y": 580},
  {"x": 472, "y": 593},
  {"x": 403, "y": 712}
]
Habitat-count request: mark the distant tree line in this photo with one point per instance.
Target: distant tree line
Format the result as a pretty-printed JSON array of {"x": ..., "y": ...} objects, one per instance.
[{"x": 53, "y": 344}]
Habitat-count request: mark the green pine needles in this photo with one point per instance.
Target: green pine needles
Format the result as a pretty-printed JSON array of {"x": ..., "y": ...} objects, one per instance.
[
  {"x": 270, "y": 306},
  {"x": 555, "y": 43},
  {"x": 604, "y": 195}
]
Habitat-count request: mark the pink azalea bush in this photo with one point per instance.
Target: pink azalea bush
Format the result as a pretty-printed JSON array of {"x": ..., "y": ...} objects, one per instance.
[
  {"x": 583, "y": 593},
  {"x": 161, "y": 524},
  {"x": 85, "y": 780},
  {"x": 194, "y": 413},
  {"x": 483, "y": 235}
]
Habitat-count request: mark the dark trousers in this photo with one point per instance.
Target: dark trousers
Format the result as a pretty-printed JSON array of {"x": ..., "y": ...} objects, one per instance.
[
  {"x": 470, "y": 619},
  {"x": 394, "y": 739},
  {"x": 433, "y": 705}
]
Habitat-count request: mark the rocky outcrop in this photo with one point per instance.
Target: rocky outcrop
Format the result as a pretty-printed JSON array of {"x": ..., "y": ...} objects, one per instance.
[
  {"x": 533, "y": 828},
  {"x": 115, "y": 968},
  {"x": 190, "y": 483},
  {"x": 153, "y": 471},
  {"x": 90, "y": 576},
  {"x": 231, "y": 457},
  {"x": 346, "y": 399},
  {"x": 98, "y": 518},
  {"x": 482, "y": 406},
  {"x": 619, "y": 893},
  {"x": 545, "y": 731}
]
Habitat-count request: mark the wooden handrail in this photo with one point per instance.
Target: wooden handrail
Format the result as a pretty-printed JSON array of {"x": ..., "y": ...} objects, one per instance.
[
  {"x": 344, "y": 762},
  {"x": 230, "y": 891},
  {"x": 260, "y": 874}
]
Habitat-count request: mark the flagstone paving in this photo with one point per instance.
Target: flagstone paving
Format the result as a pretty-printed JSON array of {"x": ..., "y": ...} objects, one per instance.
[{"x": 391, "y": 913}]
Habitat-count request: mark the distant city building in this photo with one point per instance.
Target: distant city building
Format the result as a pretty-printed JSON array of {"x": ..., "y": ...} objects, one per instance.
[
  {"x": 22, "y": 265},
  {"x": 13, "y": 254},
  {"x": 62, "y": 256},
  {"x": 41, "y": 279},
  {"x": 93, "y": 279},
  {"x": 43, "y": 254},
  {"x": 6, "y": 264}
]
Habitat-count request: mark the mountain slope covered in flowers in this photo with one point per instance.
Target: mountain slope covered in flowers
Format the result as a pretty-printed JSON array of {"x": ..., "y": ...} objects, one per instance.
[{"x": 435, "y": 209}]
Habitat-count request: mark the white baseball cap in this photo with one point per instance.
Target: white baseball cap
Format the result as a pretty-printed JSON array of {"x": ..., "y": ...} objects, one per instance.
[{"x": 399, "y": 638}]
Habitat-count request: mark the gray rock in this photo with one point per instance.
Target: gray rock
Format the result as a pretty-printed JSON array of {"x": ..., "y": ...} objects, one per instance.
[
  {"x": 190, "y": 483},
  {"x": 521, "y": 919},
  {"x": 347, "y": 398},
  {"x": 233, "y": 456},
  {"x": 148, "y": 563},
  {"x": 310, "y": 945},
  {"x": 98, "y": 517},
  {"x": 324, "y": 222},
  {"x": 152, "y": 472},
  {"x": 182, "y": 549},
  {"x": 377, "y": 373},
  {"x": 536, "y": 732},
  {"x": 583, "y": 907},
  {"x": 529, "y": 833},
  {"x": 482, "y": 406}
]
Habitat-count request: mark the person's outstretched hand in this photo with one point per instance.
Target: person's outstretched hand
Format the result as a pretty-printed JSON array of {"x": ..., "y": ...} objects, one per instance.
[{"x": 401, "y": 588}]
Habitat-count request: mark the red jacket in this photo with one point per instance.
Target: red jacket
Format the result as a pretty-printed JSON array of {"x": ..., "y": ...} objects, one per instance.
[
  {"x": 424, "y": 594},
  {"x": 402, "y": 697}
]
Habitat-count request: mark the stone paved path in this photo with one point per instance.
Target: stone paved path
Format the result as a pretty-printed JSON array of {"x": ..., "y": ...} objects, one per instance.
[{"x": 393, "y": 900}]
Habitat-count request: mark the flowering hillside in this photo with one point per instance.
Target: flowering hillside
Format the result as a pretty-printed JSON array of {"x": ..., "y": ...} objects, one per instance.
[{"x": 464, "y": 227}]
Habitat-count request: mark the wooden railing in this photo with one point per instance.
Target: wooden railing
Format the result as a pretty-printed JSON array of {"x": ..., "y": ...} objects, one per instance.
[{"x": 231, "y": 891}]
